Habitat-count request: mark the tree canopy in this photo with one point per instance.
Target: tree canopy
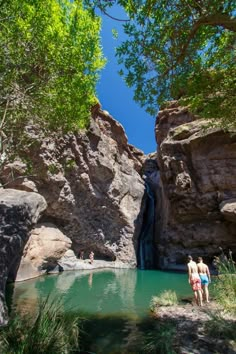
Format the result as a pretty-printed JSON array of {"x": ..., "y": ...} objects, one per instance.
[
  {"x": 50, "y": 57},
  {"x": 180, "y": 49}
]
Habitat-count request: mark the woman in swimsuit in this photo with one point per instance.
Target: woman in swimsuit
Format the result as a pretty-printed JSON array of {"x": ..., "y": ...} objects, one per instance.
[
  {"x": 194, "y": 280},
  {"x": 205, "y": 277}
]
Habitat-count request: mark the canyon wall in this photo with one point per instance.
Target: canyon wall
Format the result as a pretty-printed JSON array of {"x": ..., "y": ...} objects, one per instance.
[
  {"x": 198, "y": 176},
  {"x": 92, "y": 184}
]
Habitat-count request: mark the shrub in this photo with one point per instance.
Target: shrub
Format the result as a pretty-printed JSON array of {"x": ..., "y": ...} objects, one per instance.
[{"x": 166, "y": 298}]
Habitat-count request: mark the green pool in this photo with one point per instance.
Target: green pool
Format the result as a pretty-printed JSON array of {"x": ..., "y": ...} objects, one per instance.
[
  {"x": 110, "y": 292},
  {"x": 115, "y": 301}
]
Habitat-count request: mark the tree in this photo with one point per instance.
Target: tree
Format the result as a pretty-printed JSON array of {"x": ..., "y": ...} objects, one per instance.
[
  {"x": 180, "y": 49},
  {"x": 50, "y": 57}
]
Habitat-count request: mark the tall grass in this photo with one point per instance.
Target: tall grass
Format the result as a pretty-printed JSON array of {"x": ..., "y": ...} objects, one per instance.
[
  {"x": 48, "y": 332},
  {"x": 161, "y": 340},
  {"x": 166, "y": 298},
  {"x": 225, "y": 285},
  {"x": 220, "y": 327}
]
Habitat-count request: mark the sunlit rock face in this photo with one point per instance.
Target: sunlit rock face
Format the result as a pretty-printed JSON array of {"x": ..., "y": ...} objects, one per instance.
[
  {"x": 19, "y": 210},
  {"x": 198, "y": 168},
  {"x": 92, "y": 184},
  {"x": 228, "y": 209},
  {"x": 46, "y": 245}
]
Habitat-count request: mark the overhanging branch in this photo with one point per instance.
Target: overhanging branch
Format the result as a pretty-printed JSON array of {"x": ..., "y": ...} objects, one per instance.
[{"x": 218, "y": 19}]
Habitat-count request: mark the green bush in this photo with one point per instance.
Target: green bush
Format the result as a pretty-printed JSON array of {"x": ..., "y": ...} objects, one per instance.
[{"x": 166, "y": 298}]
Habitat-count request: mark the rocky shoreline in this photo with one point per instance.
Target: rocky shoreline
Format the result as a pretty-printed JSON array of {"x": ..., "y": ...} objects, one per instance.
[{"x": 191, "y": 324}]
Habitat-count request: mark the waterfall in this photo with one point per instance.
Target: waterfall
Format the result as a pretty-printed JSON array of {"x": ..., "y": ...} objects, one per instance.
[{"x": 146, "y": 249}]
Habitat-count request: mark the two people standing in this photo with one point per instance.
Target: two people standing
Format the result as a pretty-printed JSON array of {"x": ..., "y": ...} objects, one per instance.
[
  {"x": 199, "y": 278},
  {"x": 91, "y": 256}
]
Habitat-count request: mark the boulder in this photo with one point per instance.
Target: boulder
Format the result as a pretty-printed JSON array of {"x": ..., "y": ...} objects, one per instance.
[
  {"x": 19, "y": 210},
  {"x": 46, "y": 245},
  {"x": 228, "y": 209}
]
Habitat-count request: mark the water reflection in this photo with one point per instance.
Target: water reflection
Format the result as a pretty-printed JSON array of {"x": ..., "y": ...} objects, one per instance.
[
  {"x": 109, "y": 334},
  {"x": 90, "y": 280},
  {"x": 112, "y": 291}
]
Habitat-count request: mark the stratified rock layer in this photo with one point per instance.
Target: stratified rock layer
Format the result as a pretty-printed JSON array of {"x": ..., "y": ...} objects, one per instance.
[
  {"x": 19, "y": 210},
  {"x": 198, "y": 168},
  {"x": 92, "y": 184}
]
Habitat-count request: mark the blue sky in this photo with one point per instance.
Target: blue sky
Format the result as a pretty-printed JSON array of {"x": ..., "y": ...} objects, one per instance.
[{"x": 116, "y": 97}]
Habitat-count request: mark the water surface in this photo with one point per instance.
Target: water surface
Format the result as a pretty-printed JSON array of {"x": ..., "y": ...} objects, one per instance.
[
  {"x": 109, "y": 292},
  {"x": 115, "y": 303}
]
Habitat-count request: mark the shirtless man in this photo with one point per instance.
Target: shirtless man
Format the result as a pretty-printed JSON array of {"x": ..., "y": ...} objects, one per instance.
[
  {"x": 205, "y": 277},
  {"x": 194, "y": 280}
]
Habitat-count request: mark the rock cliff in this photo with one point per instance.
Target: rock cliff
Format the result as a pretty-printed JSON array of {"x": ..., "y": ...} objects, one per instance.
[
  {"x": 96, "y": 199},
  {"x": 92, "y": 184},
  {"x": 197, "y": 168}
]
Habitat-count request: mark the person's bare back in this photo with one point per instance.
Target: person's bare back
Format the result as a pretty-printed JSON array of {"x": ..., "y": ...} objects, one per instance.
[
  {"x": 202, "y": 268},
  {"x": 192, "y": 267}
]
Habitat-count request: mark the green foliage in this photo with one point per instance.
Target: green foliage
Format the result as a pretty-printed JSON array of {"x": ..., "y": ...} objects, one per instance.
[
  {"x": 114, "y": 33},
  {"x": 225, "y": 284},
  {"x": 50, "y": 56},
  {"x": 180, "y": 50},
  {"x": 49, "y": 331},
  {"x": 69, "y": 165},
  {"x": 221, "y": 327},
  {"x": 166, "y": 298},
  {"x": 53, "y": 169},
  {"x": 161, "y": 340}
]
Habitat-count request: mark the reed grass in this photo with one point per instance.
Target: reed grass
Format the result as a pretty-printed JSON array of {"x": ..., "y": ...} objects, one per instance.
[
  {"x": 161, "y": 340},
  {"x": 48, "y": 332},
  {"x": 224, "y": 287}
]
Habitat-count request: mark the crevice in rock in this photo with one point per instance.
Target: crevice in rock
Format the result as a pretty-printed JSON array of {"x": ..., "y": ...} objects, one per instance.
[
  {"x": 146, "y": 247},
  {"x": 147, "y": 255},
  {"x": 59, "y": 222}
]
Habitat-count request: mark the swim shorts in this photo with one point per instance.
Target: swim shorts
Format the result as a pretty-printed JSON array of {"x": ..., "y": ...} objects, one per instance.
[
  {"x": 196, "y": 283},
  {"x": 204, "y": 279}
]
